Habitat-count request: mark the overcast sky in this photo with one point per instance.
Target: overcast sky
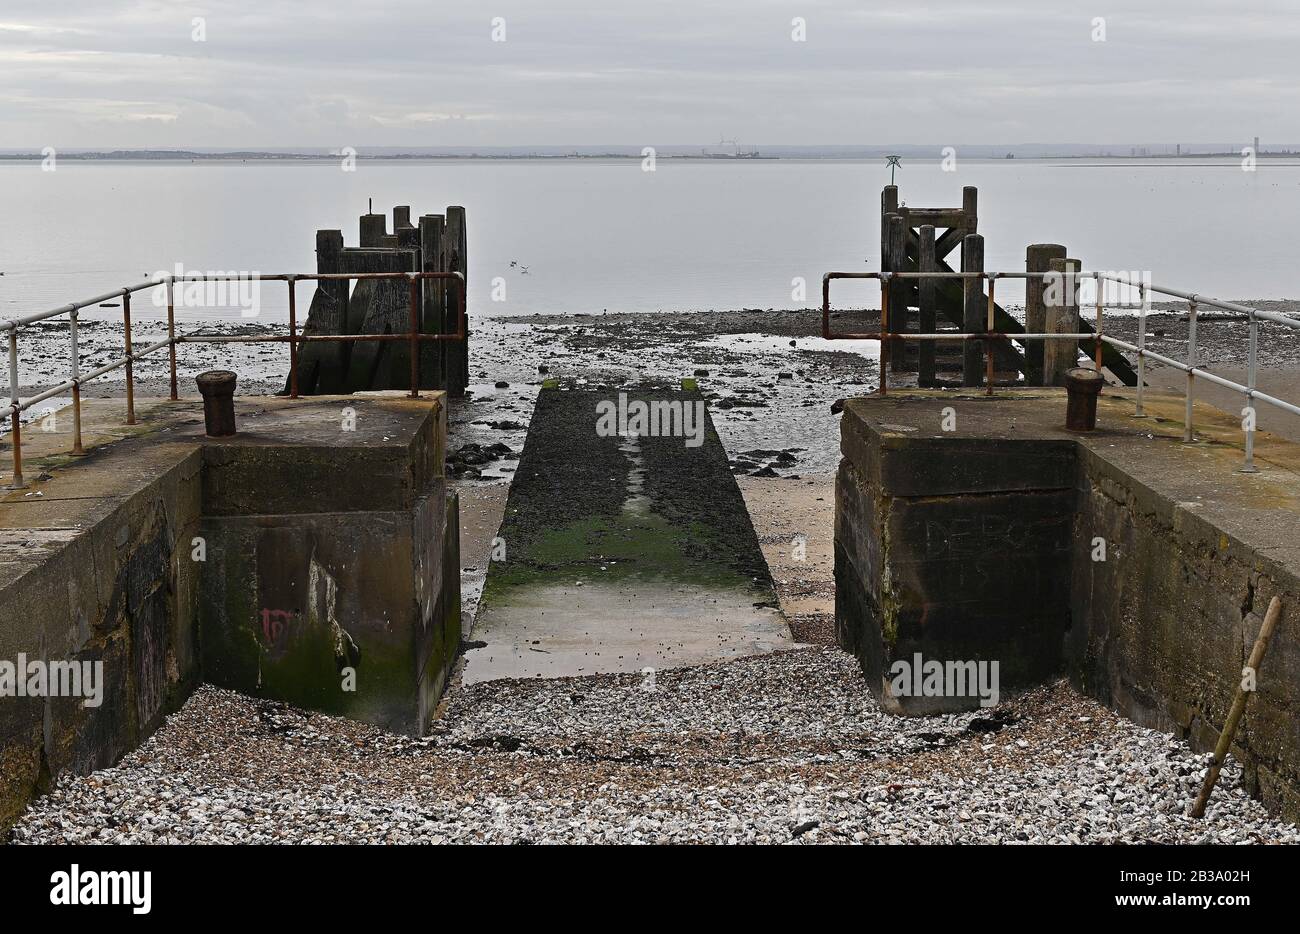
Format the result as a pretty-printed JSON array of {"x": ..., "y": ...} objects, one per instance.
[{"x": 275, "y": 73}]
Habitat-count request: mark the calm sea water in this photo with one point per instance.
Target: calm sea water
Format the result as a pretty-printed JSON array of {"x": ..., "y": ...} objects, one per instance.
[{"x": 599, "y": 235}]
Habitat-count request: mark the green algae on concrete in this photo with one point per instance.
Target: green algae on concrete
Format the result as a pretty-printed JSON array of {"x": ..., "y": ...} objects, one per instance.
[
  {"x": 145, "y": 554},
  {"x": 343, "y": 612},
  {"x": 599, "y": 548},
  {"x": 621, "y": 551}
]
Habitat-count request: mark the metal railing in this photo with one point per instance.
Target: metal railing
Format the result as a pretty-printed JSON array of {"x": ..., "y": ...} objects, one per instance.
[
  {"x": 1145, "y": 291},
  {"x": 77, "y": 379}
]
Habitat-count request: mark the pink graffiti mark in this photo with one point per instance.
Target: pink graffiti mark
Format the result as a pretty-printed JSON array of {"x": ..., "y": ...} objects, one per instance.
[{"x": 274, "y": 624}]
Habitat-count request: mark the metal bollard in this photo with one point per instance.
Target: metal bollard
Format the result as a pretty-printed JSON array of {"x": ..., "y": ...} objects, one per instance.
[
  {"x": 218, "y": 389},
  {"x": 1082, "y": 386}
]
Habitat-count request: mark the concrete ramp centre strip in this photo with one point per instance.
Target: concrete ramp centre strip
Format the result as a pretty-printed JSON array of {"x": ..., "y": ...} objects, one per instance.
[{"x": 626, "y": 544}]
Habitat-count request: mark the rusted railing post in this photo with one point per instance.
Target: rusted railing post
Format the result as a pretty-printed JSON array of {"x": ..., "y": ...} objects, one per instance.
[
  {"x": 293, "y": 333},
  {"x": 16, "y": 482},
  {"x": 884, "y": 329},
  {"x": 1143, "y": 298},
  {"x": 76, "y": 386},
  {"x": 1188, "y": 436},
  {"x": 171, "y": 334},
  {"x": 130, "y": 370},
  {"x": 414, "y": 285},
  {"x": 826, "y": 307},
  {"x": 1098, "y": 344}
]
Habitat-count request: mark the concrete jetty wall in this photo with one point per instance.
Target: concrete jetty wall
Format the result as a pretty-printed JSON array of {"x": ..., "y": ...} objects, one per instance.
[
  {"x": 1162, "y": 631},
  {"x": 979, "y": 529},
  {"x": 313, "y": 558},
  {"x": 101, "y": 584}
]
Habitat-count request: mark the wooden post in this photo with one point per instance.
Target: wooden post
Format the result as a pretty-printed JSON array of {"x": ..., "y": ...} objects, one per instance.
[
  {"x": 1238, "y": 707},
  {"x": 898, "y": 302},
  {"x": 970, "y": 207},
  {"x": 432, "y": 353},
  {"x": 1061, "y": 298},
  {"x": 888, "y": 206},
  {"x": 974, "y": 309},
  {"x": 454, "y": 248},
  {"x": 1038, "y": 258},
  {"x": 889, "y": 200},
  {"x": 323, "y": 367},
  {"x": 373, "y": 230},
  {"x": 925, "y": 301}
]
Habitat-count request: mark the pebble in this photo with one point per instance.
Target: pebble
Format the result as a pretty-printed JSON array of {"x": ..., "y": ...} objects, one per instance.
[{"x": 783, "y": 748}]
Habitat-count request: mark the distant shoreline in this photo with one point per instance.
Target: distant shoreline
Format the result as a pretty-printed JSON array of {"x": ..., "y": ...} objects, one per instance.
[{"x": 182, "y": 155}]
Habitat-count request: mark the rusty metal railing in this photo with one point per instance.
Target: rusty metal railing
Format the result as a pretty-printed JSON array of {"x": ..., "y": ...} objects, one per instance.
[
  {"x": 77, "y": 379},
  {"x": 1145, "y": 290}
]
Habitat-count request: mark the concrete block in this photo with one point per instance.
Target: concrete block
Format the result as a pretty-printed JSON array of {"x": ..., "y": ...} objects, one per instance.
[
  {"x": 127, "y": 552},
  {"x": 983, "y": 542},
  {"x": 317, "y": 610}
]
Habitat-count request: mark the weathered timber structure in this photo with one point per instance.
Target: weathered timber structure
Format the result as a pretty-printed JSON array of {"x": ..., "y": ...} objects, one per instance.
[
  {"x": 919, "y": 240},
  {"x": 436, "y": 243}
]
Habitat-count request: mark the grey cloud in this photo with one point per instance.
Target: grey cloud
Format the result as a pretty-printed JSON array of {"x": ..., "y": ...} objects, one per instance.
[{"x": 274, "y": 73}]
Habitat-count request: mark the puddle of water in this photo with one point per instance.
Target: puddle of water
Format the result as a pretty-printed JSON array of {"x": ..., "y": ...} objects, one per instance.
[
  {"x": 637, "y": 503},
  {"x": 780, "y": 344}
]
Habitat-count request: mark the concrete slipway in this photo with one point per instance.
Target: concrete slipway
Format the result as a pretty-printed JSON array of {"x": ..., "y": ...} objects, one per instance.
[{"x": 620, "y": 553}]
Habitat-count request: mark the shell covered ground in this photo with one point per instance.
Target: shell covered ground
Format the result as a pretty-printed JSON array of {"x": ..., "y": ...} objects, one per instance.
[{"x": 783, "y": 748}]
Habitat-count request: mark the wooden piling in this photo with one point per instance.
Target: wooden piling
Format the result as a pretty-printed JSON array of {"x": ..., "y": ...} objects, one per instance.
[
  {"x": 454, "y": 249},
  {"x": 323, "y": 367},
  {"x": 898, "y": 303},
  {"x": 970, "y": 208},
  {"x": 974, "y": 310},
  {"x": 926, "y": 323},
  {"x": 1062, "y": 302},
  {"x": 1038, "y": 258},
  {"x": 373, "y": 230},
  {"x": 433, "y": 354},
  {"x": 888, "y": 206},
  {"x": 889, "y": 200}
]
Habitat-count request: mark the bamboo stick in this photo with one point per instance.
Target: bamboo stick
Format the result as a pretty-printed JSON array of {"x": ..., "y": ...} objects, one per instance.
[{"x": 1238, "y": 707}]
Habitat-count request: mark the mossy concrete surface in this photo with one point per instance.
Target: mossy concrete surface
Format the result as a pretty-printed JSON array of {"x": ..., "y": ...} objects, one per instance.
[
  {"x": 320, "y": 538},
  {"x": 620, "y": 552},
  {"x": 970, "y": 527}
]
